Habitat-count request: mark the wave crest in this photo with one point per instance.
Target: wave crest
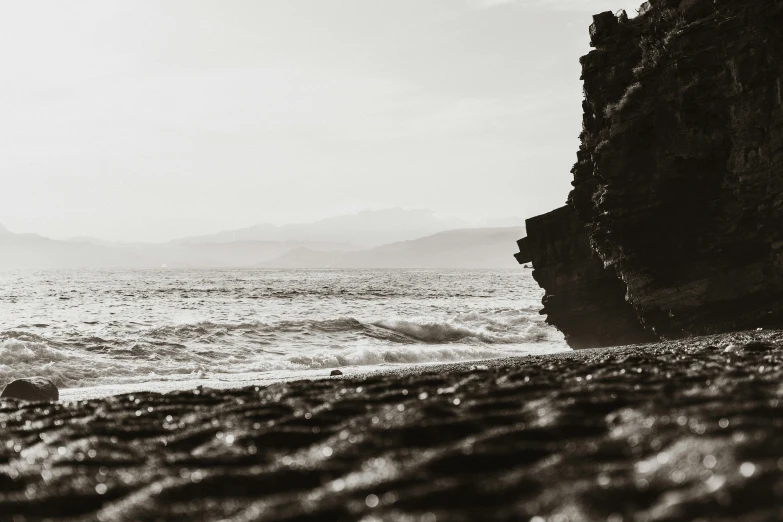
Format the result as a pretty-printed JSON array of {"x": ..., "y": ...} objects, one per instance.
[{"x": 188, "y": 350}]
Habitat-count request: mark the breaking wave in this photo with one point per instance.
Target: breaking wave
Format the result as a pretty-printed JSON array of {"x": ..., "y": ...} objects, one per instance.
[
  {"x": 473, "y": 326},
  {"x": 205, "y": 349}
]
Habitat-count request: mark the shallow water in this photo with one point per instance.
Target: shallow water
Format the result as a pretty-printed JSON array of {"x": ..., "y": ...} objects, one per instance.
[{"x": 91, "y": 328}]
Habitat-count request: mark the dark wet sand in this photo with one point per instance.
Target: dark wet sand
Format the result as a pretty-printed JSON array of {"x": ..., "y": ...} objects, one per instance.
[{"x": 680, "y": 430}]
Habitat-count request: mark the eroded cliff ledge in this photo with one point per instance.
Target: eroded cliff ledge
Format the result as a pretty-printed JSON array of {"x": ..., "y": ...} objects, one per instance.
[{"x": 675, "y": 223}]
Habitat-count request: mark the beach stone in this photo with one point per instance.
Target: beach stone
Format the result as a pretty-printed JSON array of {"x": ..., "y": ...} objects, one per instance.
[
  {"x": 31, "y": 389},
  {"x": 758, "y": 346},
  {"x": 335, "y": 373}
]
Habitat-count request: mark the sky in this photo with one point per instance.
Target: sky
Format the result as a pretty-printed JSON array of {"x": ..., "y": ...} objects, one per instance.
[{"x": 149, "y": 120}]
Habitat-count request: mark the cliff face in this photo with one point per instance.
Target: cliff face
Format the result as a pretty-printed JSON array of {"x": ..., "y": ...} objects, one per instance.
[
  {"x": 588, "y": 300},
  {"x": 679, "y": 178}
]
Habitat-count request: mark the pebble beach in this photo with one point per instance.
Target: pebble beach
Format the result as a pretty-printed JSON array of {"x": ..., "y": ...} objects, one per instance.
[{"x": 681, "y": 430}]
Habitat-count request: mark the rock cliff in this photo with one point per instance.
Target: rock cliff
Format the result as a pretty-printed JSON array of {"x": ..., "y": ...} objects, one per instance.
[
  {"x": 675, "y": 223},
  {"x": 586, "y": 301}
]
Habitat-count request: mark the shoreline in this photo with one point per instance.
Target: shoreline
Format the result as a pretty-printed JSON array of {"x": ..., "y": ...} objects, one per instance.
[
  {"x": 105, "y": 391},
  {"x": 233, "y": 381},
  {"x": 664, "y": 431}
]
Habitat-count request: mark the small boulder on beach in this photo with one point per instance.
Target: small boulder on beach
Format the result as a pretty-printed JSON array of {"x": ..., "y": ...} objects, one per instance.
[
  {"x": 31, "y": 389},
  {"x": 335, "y": 373}
]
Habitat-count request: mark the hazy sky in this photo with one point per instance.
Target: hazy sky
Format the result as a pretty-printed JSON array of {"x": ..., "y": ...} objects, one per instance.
[{"x": 146, "y": 120}]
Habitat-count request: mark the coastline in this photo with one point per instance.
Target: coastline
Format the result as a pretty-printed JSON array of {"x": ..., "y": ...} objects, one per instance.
[
  {"x": 663, "y": 431},
  {"x": 236, "y": 381}
]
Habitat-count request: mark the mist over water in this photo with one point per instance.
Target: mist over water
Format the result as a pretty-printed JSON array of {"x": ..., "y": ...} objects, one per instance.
[{"x": 87, "y": 328}]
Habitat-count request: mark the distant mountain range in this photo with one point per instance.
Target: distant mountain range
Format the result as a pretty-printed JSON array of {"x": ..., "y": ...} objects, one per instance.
[
  {"x": 34, "y": 251},
  {"x": 463, "y": 248},
  {"x": 367, "y": 228},
  {"x": 419, "y": 240}
]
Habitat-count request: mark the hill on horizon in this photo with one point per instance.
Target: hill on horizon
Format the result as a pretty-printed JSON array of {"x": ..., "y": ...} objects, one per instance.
[
  {"x": 37, "y": 252},
  {"x": 461, "y": 248},
  {"x": 366, "y": 228}
]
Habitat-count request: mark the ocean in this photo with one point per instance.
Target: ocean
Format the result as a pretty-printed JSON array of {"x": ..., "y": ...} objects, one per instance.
[{"x": 119, "y": 330}]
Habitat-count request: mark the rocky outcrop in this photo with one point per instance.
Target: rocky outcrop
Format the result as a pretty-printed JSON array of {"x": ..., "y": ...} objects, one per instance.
[
  {"x": 31, "y": 389},
  {"x": 588, "y": 304},
  {"x": 679, "y": 179}
]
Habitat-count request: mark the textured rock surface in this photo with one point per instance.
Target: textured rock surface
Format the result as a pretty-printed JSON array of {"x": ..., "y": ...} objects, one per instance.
[
  {"x": 589, "y": 304},
  {"x": 31, "y": 389},
  {"x": 683, "y": 430},
  {"x": 679, "y": 179}
]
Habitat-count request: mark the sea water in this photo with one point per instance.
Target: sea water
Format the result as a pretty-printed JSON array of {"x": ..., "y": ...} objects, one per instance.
[{"x": 115, "y": 328}]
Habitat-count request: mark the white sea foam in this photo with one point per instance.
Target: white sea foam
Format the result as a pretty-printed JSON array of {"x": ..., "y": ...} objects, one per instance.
[
  {"x": 473, "y": 326},
  {"x": 203, "y": 349},
  {"x": 405, "y": 354}
]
